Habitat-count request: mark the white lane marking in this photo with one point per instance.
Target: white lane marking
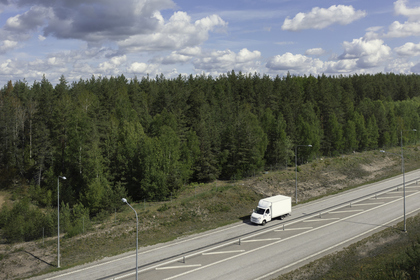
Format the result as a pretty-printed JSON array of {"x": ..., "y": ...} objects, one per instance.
[
  {"x": 279, "y": 241},
  {"x": 320, "y": 220},
  {"x": 140, "y": 253},
  {"x": 179, "y": 266},
  {"x": 331, "y": 247},
  {"x": 367, "y": 204},
  {"x": 346, "y": 211},
  {"x": 223, "y": 252},
  {"x": 260, "y": 240},
  {"x": 303, "y": 228},
  {"x": 387, "y": 197}
]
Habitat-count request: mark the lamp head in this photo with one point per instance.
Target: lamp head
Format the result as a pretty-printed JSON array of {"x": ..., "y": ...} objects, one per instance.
[
  {"x": 62, "y": 177},
  {"x": 124, "y": 200},
  {"x": 309, "y": 145}
]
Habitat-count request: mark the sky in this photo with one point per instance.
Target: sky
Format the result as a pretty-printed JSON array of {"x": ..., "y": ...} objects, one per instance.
[{"x": 83, "y": 38}]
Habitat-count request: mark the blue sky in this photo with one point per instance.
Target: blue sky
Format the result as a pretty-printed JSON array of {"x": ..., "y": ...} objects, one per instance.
[{"x": 78, "y": 39}]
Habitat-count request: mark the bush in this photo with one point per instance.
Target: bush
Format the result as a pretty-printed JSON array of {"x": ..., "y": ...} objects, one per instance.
[{"x": 24, "y": 222}]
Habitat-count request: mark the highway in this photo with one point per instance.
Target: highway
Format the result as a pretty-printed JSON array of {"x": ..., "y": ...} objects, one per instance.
[{"x": 248, "y": 251}]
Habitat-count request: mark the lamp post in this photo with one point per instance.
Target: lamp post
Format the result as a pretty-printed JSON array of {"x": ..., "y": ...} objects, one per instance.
[
  {"x": 403, "y": 171},
  {"x": 402, "y": 159},
  {"x": 137, "y": 238},
  {"x": 296, "y": 148},
  {"x": 58, "y": 219}
]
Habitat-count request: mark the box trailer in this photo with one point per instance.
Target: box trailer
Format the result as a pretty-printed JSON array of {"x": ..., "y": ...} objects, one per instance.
[{"x": 269, "y": 208}]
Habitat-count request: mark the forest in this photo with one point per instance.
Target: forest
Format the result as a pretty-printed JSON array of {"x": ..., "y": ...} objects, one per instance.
[{"x": 146, "y": 138}]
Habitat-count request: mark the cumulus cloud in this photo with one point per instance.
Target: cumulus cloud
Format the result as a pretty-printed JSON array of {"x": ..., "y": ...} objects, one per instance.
[
  {"x": 112, "y": 65},
  {"x": 341, "y": 66},
  {"x": 408, "y": 49},
  {"x": 142, "y": 68},
  {"x": 7, "y": 45},
  {"x": 319, "y": 18},
  {"x": 400, "y": 65},
  {"x": 173, "y": 58},
  {"x": 218, "y": 62},
  {"x": 28, "y": 21},
  {"x": 296, "y": 62},
  {"x": 400, "y": 8},
  {"x": 99, "y": 20},
  {"x": 368, "y": 53},
  {"x": 190, "y": 51},
  {"x": 177, "y": 33},
  {"x": 397, "y": 29},
  {"x": 411, "y": 27},
  {"x": 315, "y": 52}
]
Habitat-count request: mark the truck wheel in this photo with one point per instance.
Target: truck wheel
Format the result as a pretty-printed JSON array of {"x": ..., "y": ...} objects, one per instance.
[
  {"x": 282, "y": 217},
  {"x": 263, "y": 222}
]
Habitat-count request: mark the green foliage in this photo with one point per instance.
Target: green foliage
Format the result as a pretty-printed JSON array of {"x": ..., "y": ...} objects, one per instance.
[
  {"x": 25, "y": 222},
  {"x": 148, "y": 138}
]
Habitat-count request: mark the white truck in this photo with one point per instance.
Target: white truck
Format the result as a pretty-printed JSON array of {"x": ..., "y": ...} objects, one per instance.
[{"x": 270, "y": 208}]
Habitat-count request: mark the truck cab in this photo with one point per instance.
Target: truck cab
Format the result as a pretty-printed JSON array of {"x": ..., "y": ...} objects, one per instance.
[
  {"x": 261, "y": 215},
  {"x": 269, "y": 208}
]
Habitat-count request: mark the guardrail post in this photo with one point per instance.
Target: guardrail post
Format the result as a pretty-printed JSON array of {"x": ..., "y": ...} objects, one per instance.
[
  {"x": 283, "y": 227},
  {"x": 183, "y": 259},
  {"x": 239, "y": 241}
]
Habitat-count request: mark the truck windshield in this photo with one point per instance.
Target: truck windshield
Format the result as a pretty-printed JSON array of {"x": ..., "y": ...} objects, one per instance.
[{"x": 260, "y": 211}]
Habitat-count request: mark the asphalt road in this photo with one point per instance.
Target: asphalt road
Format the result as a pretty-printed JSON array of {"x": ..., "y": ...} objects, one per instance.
[{"x": 248, "y": 251}]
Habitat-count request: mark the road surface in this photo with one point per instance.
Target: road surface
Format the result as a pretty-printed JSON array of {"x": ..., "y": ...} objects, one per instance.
[{"x": 247, "y": 251}]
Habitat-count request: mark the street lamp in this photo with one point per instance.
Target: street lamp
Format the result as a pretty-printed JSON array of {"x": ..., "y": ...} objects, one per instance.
[
  {"x": 296, "y": 148},
  {"x": 403, "y": 171},
  {"x": 402, "y": 159},
  {"x": 137, "y": 238},
  {"x": 58, "y": 219}
]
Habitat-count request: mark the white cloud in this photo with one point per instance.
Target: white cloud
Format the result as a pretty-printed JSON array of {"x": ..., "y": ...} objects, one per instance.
[
  {"x": 368, "y": 53},
  {"x": 397, "y": 29},
  {"x": 408, "y": 49},
  {"x": 298, "y": 62},
  {"x": 111, "y": 66},
  {"x": 117, "y": 60},
  {"x": 315, "y": 52},
  {"x": 190, "y": 51},
  {"x": 174, "y": 58},
  {"x": 341, "y": 66},
  {"x": 411, "y": 27},
  {"x": 320, "y": 18},
  {"x": 400, "y": 66},
  {"x": 142, "y": 68},
  {"x": 7, "y": 45},
  {"x": 223, "y": 61},
  {"x": 177, "y": 33},
  {"x": 400, "y": 8}
]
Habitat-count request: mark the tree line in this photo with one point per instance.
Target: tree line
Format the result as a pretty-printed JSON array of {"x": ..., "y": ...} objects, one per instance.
[{"x": 145, "y": 138}]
